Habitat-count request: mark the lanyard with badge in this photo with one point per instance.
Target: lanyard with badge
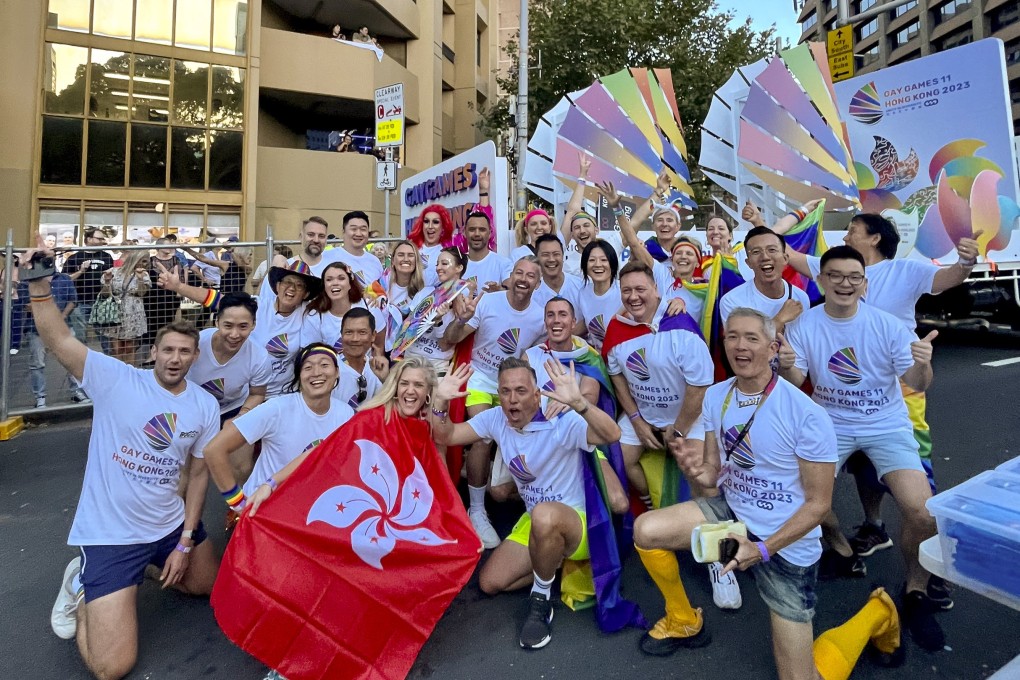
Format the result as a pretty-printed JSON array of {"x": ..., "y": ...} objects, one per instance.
[{"x": 750, "y": 421}]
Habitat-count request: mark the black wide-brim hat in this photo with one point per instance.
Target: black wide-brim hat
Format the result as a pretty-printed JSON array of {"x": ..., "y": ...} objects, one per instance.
[{"x": 313, "y": 284}]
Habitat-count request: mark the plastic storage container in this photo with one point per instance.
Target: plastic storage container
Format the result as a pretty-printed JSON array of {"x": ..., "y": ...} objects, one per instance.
[
  {"x": 1010, "y": 466},
  {"x": 979, "y": 531}
]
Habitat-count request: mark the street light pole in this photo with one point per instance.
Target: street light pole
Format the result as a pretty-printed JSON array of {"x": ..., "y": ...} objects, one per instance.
[{"x": 521, "y": 201}]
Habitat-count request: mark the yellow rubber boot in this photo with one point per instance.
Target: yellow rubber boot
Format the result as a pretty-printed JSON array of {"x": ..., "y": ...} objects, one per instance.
[
  {"x": 664, "y": 569},
  {"x": 837, "y": 650}
]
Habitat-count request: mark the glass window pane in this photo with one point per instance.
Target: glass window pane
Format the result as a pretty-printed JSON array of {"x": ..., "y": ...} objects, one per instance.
[
  {"x": 226, "y": 150},
  {"x": 59, "y": 224},
  {"x": 61, "y": 150},
  {"x": 64, "y": 78},
  {"x": 187, "y": 158},
  {"x": 223, "y": 225},
  {"x": 111, "y": 80},
  {"x": 144, "y": 224},
  {"x": 193, "y": 25},
  {"x": 186, "y": 223},
  {"x": 230, "y": 26},
  {"x": 154, "y": 19},
  {"x": 70, "y": 15},
  {"x": 150, "y": 97},
  {"x": 108, "y": 218},
  {"x": 104, "y": 162},
  {"x": 190, "y": 91},
  {"x": 148, "y": 156},
  {"x": 227, "y": 106},
  {"x": 112, "y": 18}
]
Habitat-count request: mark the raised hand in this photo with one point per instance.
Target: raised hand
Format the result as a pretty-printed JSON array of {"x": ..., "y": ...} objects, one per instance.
[
  {"x": 968, "y": 249},
  {"x": 790, "y": 310},
  {"x": 608, "y": 192},
  {"x": 811, "y": 205},
  {"x": 662, "y": 184},
  {"x": 484, "y": 180},
  {"x": 922, "y": 350},
  {"x": 169, "y": 279},
  {"x": 468, "y": 310},
  {"x": 452, "y": 385},
  {"x": 584, "y": 161},
  {"x": 787, "y": 357},
  {"x": 751, "y": 213},
  {"x": 565, "y": 387}
]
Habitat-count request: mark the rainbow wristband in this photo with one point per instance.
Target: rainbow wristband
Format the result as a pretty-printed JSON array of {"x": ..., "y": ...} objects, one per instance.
[
  {"x": 212, "y": 299},
  {"x": 765, "y": 557},
  {"x": 234, "y": 498}
]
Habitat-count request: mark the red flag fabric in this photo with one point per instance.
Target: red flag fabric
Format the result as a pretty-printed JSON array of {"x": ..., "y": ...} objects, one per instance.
[{"x": 345, "y": 571}]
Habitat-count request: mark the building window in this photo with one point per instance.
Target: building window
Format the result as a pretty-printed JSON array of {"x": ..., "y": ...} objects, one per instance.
[
  {"x": 870, "y": 56},
  {"x": 954, "y": 39},
  {"x": 862, "y": 5},
  {"x": 904, "y": 35},
  {"x": 1004, "y": 16},
  {"x": 867, "y": 29},
  {"x": 192, "y": 224},
  {"x": 809, "y": 22},
  {"x": 903, "y": 9},
  {"x": 949, "y": 10},
  {"x": 1013, "y": 52}
]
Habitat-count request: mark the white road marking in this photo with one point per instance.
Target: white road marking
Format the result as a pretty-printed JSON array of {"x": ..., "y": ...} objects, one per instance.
[{"x": 1002, "y": 362}]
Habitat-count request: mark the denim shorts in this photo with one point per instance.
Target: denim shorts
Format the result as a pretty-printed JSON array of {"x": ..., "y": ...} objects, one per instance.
[
  {"x": 106, "y": 569},
  {"x": 888, "y": 452},
  {"x": 787, "y": 589}
]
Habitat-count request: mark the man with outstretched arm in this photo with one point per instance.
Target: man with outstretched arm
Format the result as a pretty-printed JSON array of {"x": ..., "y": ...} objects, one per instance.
[
  {"x": 544, "y": 457},
  {"x": 146, "y": 425}
]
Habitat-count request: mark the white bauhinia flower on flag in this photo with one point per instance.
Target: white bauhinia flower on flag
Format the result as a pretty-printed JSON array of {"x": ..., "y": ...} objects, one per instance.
[{"x": 382, "y": 524}]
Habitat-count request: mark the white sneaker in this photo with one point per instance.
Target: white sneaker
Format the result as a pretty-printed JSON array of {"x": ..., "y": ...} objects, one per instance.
[
  {"x": 64, "y": 616},
  {"x": 40, "y": 402},
  {"x": 725, "y": 589},
  {"x": 483, "y": 527},
  {"x": 14, "y": 351}
]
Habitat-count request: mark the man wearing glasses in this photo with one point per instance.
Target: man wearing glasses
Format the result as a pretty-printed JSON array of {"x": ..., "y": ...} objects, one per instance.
[
  {"x": 358, "y": 380},
  {"x": 856, "y": 355}
]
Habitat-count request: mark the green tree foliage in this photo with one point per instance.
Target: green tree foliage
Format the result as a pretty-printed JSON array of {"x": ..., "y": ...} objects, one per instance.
[{"x": 580, "y": 40}]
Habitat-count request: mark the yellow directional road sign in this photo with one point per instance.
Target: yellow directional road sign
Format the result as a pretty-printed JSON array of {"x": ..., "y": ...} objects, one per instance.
[{"x": 840, "y": 49}]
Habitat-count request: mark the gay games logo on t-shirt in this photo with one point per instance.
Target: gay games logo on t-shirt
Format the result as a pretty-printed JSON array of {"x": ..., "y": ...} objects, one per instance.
[
  {"x": 312, "y": 445},
  {"x": 742, "y": 455},
  {"x": 519, "y": 469},
  {"x": 338, "y": 346},
  {"x": 215, "y": 387},
  {"x": 277, "y": 347},
  {"x": 508, "y": 340},
  {"x": 636, "y": 365},
  {"x": 160, "y": 430},
  {"x": 597, "y": 329},
  {"x": 843, "y": 365}
]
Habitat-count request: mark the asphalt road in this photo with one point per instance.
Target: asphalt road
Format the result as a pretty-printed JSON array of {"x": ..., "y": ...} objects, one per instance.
[{"x": 974, "y": 417}]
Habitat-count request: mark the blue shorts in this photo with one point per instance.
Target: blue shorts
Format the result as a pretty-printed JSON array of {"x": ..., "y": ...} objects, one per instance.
[
  {"x": 786, "y": 588},
  {"x": 106, "y": 569},
  {"x": 888, "y": 452}
]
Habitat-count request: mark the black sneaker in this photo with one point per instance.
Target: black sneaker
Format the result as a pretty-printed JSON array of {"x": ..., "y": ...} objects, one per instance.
[
  {"x": 833, "y": 566},
  {"x": 537, "y": 629},
  {"x": 917, "y": 615},
  {"x": 938, "y": 593},
  {"x": 869, "y": 539}
]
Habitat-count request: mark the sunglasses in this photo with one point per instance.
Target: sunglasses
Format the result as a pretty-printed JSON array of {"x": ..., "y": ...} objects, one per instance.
[{"x": 362, "y": 389}]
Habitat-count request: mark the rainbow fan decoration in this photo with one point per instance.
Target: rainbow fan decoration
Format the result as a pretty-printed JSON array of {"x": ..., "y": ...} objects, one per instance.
[
  {"x": 865, "y": 105},
  {"x": 424, "y": 316},
  {"x": 215, "y": 387},
  {"x": 160, "y": 430},
  {"x": 843, "y": 365},
  {"x": 277, "y": 346},
  {"x": 629, "y": 123},
  {"x": 743, "y": 456},
  {"x": 508, "y": 340},
  {"x": 637, "y": 365},
  {"x": 519, "y": 469}
]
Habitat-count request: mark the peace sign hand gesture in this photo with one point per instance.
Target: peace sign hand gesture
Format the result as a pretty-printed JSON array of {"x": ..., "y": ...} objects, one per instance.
[{"x": 169, "y": 279}]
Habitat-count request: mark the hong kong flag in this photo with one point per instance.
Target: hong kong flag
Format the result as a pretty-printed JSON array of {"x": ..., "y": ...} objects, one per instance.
[{"x": 346, "y": 569}]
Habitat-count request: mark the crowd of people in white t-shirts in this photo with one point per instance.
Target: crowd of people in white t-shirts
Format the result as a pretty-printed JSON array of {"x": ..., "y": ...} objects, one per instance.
[{"x": 759, "y": 412}]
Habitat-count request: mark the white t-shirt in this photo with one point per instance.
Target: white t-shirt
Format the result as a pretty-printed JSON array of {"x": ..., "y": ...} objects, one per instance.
[
  {"x": 141, "y": 437},
  {"x": 664, "y": 279},
  {"x": 210, "y": 272},
  {"x": 544, "y": 458},
  {"x": 287, "y": 428},
  {"x": 229, "y": 382},
  {"x": 267, "y": 296},
  {"x": 366, "y": 267},
  {"x": 571, "y": 258},
  {"x": 761, "y": 480},
  {"x": 748, "y": 295},
  {"x": 347, "y": 389},
  {"x": 281, "y": 337},
  {"x": 325, "y": 327},
  {"x": 570, "y": 290},
  {"x": 429, "y": 255},
  {"x": 500, "y": 332},
  {"x": 519, "y": 252},
  {"x": 428, "y": 345},
  {"x": 492, "y": 268},
  {"x": 894, "y": 286},
  {"x": 596, "y": 311},
  {"x": 658, "y": 366},
  {"x": 855, "y": 365}
]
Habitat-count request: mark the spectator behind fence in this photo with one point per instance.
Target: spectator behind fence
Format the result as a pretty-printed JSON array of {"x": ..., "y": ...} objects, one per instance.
[
  {"x": 206, "y": 266},
  {"x": 17, "y": 304},
  {"x": 281, "y": 254},
  {"x": 64, "y": 297},
  {"x": 230, "y": 275},
  {"x": 86, "y": 269},
  {"x": 128, "y": 283},
  {"x": 161, "y": 305}
]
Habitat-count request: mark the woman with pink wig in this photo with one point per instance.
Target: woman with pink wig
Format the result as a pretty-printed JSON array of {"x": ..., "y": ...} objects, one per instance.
[{"x": 431, "y": 232}]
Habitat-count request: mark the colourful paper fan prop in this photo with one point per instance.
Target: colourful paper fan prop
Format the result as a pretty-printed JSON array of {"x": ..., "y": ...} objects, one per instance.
[{"x": 629, "y": 124}]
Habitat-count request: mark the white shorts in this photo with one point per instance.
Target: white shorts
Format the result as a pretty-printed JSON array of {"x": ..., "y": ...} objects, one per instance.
[{"x": 628, "y": 436}]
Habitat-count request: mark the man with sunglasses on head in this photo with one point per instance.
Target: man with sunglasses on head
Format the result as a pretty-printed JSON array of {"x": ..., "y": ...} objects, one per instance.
[
  {"x": 358, "y": 380},
  {"x": 856, "y": 356}
]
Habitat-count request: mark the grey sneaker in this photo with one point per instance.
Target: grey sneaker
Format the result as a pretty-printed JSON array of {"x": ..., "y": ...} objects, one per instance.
[{"x": 78, "y": 396}]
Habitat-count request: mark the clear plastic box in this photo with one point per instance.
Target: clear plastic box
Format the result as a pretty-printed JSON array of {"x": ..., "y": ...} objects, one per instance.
[{"x": 979, "y": 531}]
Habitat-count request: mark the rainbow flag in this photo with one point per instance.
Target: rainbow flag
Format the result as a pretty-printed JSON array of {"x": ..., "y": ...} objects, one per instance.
[
  {"x": 423, "y": 316},
  {"x": 807, "y": 237},
  {"x": 723, "y": 275}
]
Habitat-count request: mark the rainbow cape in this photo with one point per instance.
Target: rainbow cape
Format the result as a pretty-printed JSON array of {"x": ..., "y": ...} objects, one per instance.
[
  {"x": 608, "y": 544},
  {"x": 723, "y": 275},
  {"x": 423, "y": 316},
  {"x": 807, "y": 237}
]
